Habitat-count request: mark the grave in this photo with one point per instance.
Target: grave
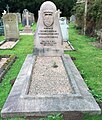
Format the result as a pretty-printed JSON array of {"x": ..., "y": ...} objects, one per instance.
[
  {"x": 49, "y": 82},
  {"x": 65, "y": 34},
  {"x": 27, "y": 29},
  {"x": 5, "y": 63},
  {"x": 11, "y": 31},
  {"x": 1, "y": 27}
]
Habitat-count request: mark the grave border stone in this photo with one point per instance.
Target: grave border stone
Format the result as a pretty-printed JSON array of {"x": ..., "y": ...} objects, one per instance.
[
  {"x": 7, "y": 65},
  {"x": 42, "y": 106}
]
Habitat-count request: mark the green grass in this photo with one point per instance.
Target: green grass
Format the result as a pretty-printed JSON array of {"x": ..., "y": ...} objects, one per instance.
[
  {"x": 24, "y": 47},
  {"x": 33, "y": 27},
  {"x": 21, "y": 27},
  {"x": 1, "y": 38},
  {"x": 88, "y": 61}
]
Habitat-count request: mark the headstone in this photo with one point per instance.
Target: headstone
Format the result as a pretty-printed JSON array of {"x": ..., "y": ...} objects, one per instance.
[
  {"x": 27, "y": 28},
  {"x": 73, "y": 18},
  {"x": 11, "y": 30},
  {"x": 1, "y": 27},
  {"x": 19, "y": 17},
  {"x": 64, "y": 28},
  {"x": 48, "y": 36},
  {"x": 29, "y": 19},
  {"x": 23, "y": 18}
]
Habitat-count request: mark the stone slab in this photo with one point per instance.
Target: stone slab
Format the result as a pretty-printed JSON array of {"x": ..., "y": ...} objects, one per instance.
[
  {"x": 7, "y": 64},
  {"x": 19, "y": 103}
]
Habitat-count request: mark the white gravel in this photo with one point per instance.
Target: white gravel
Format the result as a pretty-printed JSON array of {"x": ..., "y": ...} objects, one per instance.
[
  {"x": 8, "y": 44},
  {"x": 3, "y": 61},
  {"x": 47, "y": 80}
]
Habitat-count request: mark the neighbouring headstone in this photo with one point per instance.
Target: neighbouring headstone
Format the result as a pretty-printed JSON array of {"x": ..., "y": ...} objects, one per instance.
[
  {"x": 73, "y": 18},
  {"x": 27, "y": 28},
  {"x": 11, "y": 30},
  {"x": 19, "y": 17},
  {"x": 24, "y": 22},
  {"x": 1, "y": 27},
  {"x": 30, "y": 18},
  {"x": 48, "y": 36},
  {"x": 64, "y": 28}
]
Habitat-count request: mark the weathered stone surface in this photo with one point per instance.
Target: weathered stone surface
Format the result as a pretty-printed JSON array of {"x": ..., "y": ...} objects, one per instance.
[
  {"x": 48, "y": 36},
  {"x": 11, "y": 26},
  {"x": 20, "y": 103}
]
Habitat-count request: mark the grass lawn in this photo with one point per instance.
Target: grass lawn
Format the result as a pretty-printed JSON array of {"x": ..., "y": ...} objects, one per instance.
[
  {"x": 1, "y": 38},
  {"x": 88, "y": 61}
]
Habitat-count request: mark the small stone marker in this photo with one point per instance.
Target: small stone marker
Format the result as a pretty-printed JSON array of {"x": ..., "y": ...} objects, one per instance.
[
  {"x": 73, "y": 19},
  {"x": 48, "y": 37},
  {"x": 11, "y": 26}
]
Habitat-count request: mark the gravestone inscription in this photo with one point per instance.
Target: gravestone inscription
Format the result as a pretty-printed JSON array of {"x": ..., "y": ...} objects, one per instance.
[{"x": 48, "y": 37}]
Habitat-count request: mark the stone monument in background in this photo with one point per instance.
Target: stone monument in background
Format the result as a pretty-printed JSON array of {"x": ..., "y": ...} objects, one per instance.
[
  {"x": 30, "y": 18},
  {"x": 11, "y": 26},
  {"x": 27, "y": 21},
  {"x": 11, "y": 31}
]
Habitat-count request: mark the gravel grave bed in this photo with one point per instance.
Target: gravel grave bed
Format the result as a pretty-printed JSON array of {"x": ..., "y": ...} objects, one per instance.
[
  {"x": 3, "y": 61},
  {"x": 49, "y": 77},
  {"x": 7, "y": 44}
]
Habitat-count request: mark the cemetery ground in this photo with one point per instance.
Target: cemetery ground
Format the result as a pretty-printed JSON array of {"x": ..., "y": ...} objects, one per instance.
[{"x": 87, "y": 58}]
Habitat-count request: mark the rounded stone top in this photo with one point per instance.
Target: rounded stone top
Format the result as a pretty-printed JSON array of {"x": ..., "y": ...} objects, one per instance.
[{"x": 48, "y": 5}]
